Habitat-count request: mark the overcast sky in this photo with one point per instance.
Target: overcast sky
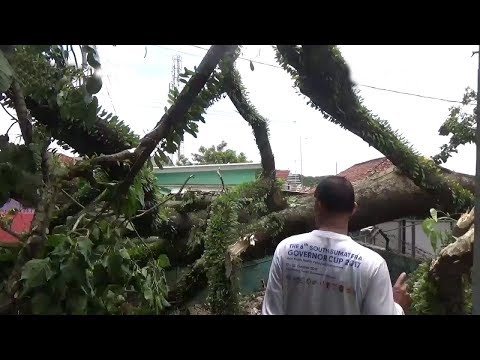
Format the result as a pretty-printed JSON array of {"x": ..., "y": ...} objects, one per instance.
[{"x": 136, "y": 80}]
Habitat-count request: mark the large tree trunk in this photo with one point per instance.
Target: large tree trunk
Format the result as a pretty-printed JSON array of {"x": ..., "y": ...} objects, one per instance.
[
  {"x": 384, "y": 197},
  {"x": 381, "y": 197},
  {"x": 453, "y": 262}
]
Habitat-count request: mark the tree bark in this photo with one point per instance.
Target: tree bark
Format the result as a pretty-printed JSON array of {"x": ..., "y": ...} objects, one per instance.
[
  {"x": 236, "y": 92},
  {"x": 382, "y": 197},
  {"x": 453, "y": 262}
]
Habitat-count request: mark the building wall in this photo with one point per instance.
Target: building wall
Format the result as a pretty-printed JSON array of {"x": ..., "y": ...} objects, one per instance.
[
  {"x": 230, "y": 177},
  {"x": 394, "y": 230}
]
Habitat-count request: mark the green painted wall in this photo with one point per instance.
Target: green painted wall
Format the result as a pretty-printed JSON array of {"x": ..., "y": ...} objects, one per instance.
[
  {"x": 230, "y": 177},
  {"x": 253, "y": 272}
]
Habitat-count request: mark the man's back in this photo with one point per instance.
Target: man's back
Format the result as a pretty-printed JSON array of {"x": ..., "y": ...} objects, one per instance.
[{"x": 325, "y": 273}]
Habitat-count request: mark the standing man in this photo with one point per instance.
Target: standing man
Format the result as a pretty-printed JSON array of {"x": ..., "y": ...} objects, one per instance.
[{"x": 325, "y": 272}]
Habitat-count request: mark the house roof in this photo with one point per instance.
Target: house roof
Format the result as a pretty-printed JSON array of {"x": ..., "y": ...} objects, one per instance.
[
  {"x": 282, "y": 174},
  {"x": 365, "y": 169},
  {"x": 21, "y": 223},
  {"x": 22, "y": 220}
]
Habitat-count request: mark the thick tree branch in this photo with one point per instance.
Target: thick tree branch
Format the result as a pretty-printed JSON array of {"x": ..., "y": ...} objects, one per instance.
[
  {"x": 235, "y": 91},
  {"x": 381, "y": 198},
  {"x": 24, "y": 119},
  {"x": 35, "y": 244},
  {"x": 237, "y": 94},
  {"x": 321, "y": 74},
  {"x": 176, "y": 112}
]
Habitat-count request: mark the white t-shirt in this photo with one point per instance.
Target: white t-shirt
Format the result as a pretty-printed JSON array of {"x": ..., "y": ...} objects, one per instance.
[{"x": 325, "y": 273}]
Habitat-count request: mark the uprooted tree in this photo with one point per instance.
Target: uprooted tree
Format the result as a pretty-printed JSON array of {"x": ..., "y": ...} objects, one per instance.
[{"x": 103, "y": 234}]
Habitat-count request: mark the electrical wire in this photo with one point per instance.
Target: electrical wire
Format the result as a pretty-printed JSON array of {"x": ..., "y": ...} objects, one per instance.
[{"x": 363, "y": 85}]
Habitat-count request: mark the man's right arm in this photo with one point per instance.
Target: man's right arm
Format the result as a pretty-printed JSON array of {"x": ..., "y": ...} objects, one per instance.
[
  {"x": 379, "y": 297},
  {"x": 273, "y": 299}
]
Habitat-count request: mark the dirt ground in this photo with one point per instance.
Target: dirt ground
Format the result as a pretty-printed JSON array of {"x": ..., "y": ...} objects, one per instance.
[{"x": 250, "y": 305}]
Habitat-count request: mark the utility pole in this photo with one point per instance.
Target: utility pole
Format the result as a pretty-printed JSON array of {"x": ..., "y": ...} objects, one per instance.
[
  {"x": 176, "y": 69},
  {"x": 301, "y": 163},
  {"x": 476, "y": 241}
]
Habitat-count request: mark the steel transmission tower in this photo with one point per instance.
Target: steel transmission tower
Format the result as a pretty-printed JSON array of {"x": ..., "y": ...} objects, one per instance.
[{"x": 176, "y": 69}]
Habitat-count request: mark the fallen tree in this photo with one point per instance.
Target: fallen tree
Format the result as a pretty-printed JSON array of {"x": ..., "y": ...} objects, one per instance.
[{"x": 116, "y": 229}]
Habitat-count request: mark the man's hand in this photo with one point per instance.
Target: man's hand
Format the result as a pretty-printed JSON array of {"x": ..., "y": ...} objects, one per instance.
[{"x": 400, "y": 293}]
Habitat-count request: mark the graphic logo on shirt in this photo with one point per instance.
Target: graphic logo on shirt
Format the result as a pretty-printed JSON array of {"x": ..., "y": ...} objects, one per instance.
[
  {"x": 324, "y": 256},
  {"x": 328, "y": 285}
]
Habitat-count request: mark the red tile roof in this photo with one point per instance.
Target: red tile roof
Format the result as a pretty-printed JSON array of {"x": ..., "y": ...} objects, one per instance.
[
  {"x": 282, "y": 174},
  {"x": 365, "y": 169},
  {"x": 21, "y": 223}
]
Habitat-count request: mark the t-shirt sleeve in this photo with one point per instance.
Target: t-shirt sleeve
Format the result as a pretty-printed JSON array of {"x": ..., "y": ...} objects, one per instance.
[
  {"x": 379, "y": 296},
  {"x": 273, "y": 299}
]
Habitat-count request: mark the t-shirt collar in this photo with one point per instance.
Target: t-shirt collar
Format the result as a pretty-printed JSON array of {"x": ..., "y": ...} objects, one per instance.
[{"x": 330, "y": 235}]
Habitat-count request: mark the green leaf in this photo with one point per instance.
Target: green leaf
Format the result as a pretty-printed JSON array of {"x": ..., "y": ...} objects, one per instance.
[
  {"x": 77, "y": 304},
  {"x": 93, "y": 59},
  {"x": 71, "y": 270},
  {"x": 428, "y": 226},
  {"x": 433, "y": 214},
  {"x": 96, "y": 233},
  {"x": 6, "y": 73},
  {"x": 124, "y": 254},
  {"x": 100, "y": 276},
  {"x": 130, "y": 205},
  {"x": 7, "y": 256},
  {"x": 40, "y": 304},
  {"x": 94, "y": 84},
  {"x": 41, "y": 48},
  {"x": 85, "y": 247},
  {"x": 37, "y": 272},
  {"x": 56, "y": 239},
  {"x": 114, "y": 266},
  {"x": 251, "y": 65},
  {"x": 91, "y": 112},
  {"x": 148, "y": 294},
  {"x": 164, "y": 157},
  {"x": 61, "y": 229},
  {"x": 163, "y": 261},
  {"x": 157, "y": 161}
]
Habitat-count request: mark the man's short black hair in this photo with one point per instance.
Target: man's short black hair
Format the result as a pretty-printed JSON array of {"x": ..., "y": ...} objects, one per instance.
[{"x": 336, "y": 194}]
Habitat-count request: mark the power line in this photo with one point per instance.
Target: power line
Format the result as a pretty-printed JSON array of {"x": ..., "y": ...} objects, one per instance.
[
  {"x": 364, "y": 85},
  {"x": 242, "y": 58},
  {"x": 411, "y": 94},
  {"x": 108, "y": 93}
]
